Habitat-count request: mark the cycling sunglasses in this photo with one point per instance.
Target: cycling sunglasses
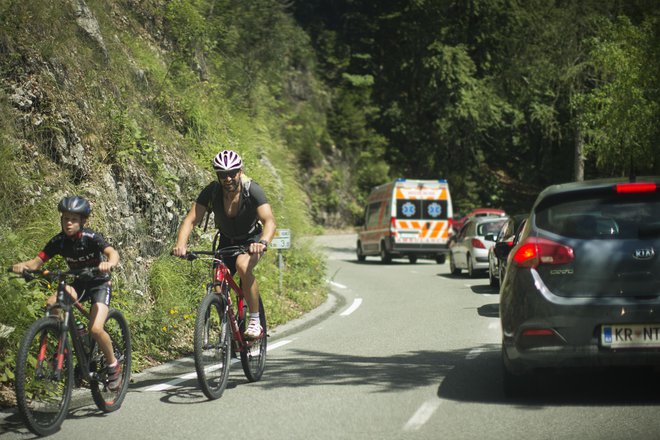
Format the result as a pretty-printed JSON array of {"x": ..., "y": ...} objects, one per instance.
[{"x": 224, "y": 174}]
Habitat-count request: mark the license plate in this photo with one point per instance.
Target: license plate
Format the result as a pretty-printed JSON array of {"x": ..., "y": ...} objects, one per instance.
[{"x": 630, "y": 335}]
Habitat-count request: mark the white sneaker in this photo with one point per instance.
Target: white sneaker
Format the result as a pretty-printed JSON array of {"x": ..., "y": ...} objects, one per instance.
[{"x": 253, "y": 330}]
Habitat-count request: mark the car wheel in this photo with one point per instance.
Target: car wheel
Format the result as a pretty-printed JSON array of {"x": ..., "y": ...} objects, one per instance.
[
  {"x": 470, "y": 267},
  {"x": 452, "y": 266},
  {"x": 494, "y": 282},
  {"x": 412, "y": 259},
  {"x": 440, "y": 258},
  {"x": 517, "y": 385},
  {"x": 360, "y": 253},
  {"x": 385, "y": 256}
]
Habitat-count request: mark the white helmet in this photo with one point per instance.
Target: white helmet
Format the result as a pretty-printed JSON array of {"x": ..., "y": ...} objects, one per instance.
[{"x": 227, "y": 160}]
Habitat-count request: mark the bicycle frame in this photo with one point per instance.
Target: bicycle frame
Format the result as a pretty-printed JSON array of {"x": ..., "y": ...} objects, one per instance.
[
  {"x": 65, "y": 301},
  {"x": 222, "y": 276}
]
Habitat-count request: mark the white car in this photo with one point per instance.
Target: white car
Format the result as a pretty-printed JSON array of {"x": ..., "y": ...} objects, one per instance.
[{"x": 470, "y": 251}]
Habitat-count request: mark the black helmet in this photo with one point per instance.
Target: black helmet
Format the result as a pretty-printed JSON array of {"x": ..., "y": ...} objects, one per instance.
[{"x": 76, "y": 205}]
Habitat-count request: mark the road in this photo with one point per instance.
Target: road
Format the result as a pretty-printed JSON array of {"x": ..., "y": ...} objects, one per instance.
[{"x": 399, "y": 351}]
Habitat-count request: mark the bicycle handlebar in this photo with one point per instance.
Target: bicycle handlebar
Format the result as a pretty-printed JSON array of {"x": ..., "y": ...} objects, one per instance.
[
  {"x": 31, "y": 274},
  {"x": 229, "y": 251}
]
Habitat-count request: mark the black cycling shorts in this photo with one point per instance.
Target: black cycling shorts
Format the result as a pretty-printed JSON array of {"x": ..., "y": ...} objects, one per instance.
[
  {"x": 226, "y": 241},
  {"x": 93, "y": 292}
]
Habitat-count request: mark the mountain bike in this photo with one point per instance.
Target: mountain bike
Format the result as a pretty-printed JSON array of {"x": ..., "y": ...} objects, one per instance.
[
  {"x": 219, "y": 327},
  {"x": 45, "y": 372}
]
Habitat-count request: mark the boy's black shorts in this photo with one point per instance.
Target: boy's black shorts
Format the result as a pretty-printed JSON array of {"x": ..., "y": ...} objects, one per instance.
[{"x": 94, "y": 292}]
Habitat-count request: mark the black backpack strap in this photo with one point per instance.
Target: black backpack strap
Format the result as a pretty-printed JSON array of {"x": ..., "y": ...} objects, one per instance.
[{"x": 209, "y": 208}]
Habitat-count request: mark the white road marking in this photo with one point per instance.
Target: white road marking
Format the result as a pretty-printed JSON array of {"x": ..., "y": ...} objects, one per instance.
[
  {"x": 353, "y": 307},
  {"x": 495, "y": 325},
  {"x": 475, "y": 352},
  {"x": 188, "y": 376},
  {"x": 340, "y": 286},
  {"x": 422, "y": 415}
]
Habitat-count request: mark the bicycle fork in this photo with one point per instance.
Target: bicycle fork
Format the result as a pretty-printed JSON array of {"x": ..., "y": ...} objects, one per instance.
[{"x": 55, "y": 364}]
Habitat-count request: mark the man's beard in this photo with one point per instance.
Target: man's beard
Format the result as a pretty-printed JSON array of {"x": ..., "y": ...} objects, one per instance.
[{"x": 230, "y": 186}]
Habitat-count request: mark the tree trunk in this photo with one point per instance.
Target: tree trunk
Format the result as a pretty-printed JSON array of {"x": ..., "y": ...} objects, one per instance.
[{"x": 579, "y": 156}]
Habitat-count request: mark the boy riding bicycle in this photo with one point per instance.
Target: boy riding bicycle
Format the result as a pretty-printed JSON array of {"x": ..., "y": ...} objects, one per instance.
[
  {"x": 84, "y": 248},
  {"x": 240, "y": 208}
]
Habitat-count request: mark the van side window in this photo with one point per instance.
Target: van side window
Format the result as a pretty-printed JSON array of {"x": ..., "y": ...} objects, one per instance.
[
  {"x": 385, "y": 220},
  {"x": 373, "y": 214}
]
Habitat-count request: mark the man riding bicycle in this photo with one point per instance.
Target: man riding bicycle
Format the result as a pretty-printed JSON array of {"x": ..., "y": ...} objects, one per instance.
[
  {"x": 243, "y": 216},
  {"x": 83, "y": 248}
]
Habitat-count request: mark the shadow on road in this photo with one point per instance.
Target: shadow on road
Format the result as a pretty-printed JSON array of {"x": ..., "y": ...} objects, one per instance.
[
  {"x": 489, "y": 310},
  {"x": 461, "y": 376}
]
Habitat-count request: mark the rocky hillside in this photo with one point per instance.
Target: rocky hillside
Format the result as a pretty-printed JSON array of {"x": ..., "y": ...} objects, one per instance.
[
  {"x": 93, "y": 105},
  {"x": 125, "y": 102}
]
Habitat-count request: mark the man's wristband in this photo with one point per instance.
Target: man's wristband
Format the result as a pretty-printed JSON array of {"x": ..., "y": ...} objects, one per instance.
[{"x": 264, "y": 242}]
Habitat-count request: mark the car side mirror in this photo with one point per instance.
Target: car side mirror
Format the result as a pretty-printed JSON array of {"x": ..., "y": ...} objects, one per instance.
[{"x": 502, "y": 249}]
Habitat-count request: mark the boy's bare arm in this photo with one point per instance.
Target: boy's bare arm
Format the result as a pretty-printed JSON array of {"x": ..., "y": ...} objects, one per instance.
[
  {"x": 113, "y": 259},
  {"x": 32, "y": 264}
]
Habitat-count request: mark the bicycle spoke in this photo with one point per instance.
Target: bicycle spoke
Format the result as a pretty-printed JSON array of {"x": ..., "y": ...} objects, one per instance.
[
  {"x": 212, "y": 346},
  {"x": 43, "y": 391},
  {"x": 253, "y": 357},
  {"x": 110, "y": 400}
]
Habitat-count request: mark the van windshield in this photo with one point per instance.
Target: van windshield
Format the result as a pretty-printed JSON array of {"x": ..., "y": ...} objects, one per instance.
[{"x": 415, "y": 209}]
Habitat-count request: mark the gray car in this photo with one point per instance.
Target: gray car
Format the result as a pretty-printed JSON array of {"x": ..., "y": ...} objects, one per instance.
[
  {"x": 470, "y": 250},
  {"x": 582, "y": 287}
]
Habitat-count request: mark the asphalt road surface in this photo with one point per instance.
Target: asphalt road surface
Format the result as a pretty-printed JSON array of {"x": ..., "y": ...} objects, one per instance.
[{"x": 399, "y": 351}]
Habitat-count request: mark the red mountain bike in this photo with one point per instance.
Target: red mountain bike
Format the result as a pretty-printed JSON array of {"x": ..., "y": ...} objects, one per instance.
[
  {"x": 219, "y": 327},
  {"x": 45, "y": 372}
]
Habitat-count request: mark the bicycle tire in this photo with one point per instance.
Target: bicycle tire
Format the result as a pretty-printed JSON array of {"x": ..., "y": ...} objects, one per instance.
[
  {"x": 105, "y": 399},
  {"x": 212, "y": 346},
  {"x": 43, "y": 398},
  {"x": 253, "y": 359}
]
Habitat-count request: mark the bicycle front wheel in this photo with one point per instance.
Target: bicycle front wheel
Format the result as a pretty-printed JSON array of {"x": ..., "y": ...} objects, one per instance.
[
  {"x": 212, "y": 346},
  {"x": 43, "y": 392},
  {"x": 107, "y": 400},
  {"x": 253, "y": 357}
]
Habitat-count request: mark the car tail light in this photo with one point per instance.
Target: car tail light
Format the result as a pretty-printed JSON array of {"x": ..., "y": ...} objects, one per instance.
[
  {"x": 539, "y": 337},
  {"x": 477, "y": 244},
  {"x": 635, "y": 187},
  {"x": 393, "y": 227},
  {"x": 535, "y": 251}
]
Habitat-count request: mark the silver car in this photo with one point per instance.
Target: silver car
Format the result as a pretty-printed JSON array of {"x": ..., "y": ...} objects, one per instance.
[
  {"x": 470, "y": 250},
  {"x": 582, "y": 286}
]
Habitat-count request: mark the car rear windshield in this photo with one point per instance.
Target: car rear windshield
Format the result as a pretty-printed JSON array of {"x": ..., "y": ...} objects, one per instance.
[
  {"x": 415, "y": 209},
  {"x": 494, "y": 227},
  {"x": 615, "y": 217}
]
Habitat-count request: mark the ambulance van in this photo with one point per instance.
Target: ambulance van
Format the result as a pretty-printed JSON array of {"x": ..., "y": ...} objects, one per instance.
[{"x": 407, "y": 218}]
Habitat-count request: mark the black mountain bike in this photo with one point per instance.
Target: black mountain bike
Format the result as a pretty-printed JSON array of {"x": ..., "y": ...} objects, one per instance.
[
  {"x": 45, "y": 371},
  {"x": 219, "y": 328}
]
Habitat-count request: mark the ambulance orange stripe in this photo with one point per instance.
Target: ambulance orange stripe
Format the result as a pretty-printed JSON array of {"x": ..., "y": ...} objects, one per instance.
[{"x": 437, "y": 229}]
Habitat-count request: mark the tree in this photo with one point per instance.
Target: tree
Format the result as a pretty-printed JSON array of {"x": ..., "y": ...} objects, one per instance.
[{"x": 619, "y": 115}]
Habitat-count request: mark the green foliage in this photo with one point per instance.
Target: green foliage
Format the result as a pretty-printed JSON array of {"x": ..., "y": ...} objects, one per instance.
[{"x": 619, "y": 115}]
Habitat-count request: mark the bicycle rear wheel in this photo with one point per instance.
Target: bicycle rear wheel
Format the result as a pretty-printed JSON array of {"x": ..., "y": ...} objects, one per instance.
[
  {"x": 107, "y": 400},
  {"x": 253, "y": 358},
  {"x": 42, "y": 394},
  {"x": 212, "y": 346}
]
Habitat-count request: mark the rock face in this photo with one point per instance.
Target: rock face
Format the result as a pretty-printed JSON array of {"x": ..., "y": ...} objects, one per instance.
[
  {"x": 138, "y": 192},
  {"x": 87, "y": 22}
]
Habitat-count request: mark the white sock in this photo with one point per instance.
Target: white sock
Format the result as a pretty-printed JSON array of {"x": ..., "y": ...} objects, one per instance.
[{"x": 254, "y": 316}]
